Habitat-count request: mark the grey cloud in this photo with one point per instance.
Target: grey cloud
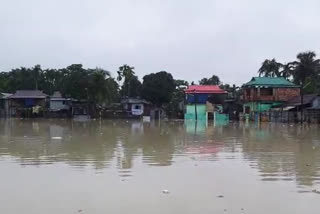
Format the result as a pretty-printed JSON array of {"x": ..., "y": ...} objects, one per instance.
[{"x": 190, "y": 39}]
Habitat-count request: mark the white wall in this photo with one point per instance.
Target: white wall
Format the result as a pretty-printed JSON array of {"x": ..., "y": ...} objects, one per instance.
[
  {"x": 137, "y": 109},
  {"x": 58, "y": 105}
]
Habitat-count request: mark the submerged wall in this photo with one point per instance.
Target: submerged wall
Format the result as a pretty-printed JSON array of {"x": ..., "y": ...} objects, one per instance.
[
  {"x": 191, "y": 113},
  {"x": 260, "y": 107},
  {"x": 202, "y": 114}
]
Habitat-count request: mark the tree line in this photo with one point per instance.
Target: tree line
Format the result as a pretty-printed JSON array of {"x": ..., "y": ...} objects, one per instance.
[
  {"x": 100, "y": 87},
  {"x": 304, "y": 71}
]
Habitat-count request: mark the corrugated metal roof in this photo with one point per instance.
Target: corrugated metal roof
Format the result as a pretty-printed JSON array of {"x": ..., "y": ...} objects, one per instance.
[
  {"x": 204, "y": 89},
  {"x": 287, "y": 108},
  {"x": 134, "y": 101},
  {"x": 5, "y": 95},
  {"x": 28, "y": 94},
  {"x": 270, "y": 81},
  {"x": 307, "y": 99}
]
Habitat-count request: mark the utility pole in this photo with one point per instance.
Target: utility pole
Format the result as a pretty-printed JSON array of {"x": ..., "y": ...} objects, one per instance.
[
  {"x": 301, "y": 107},
  {"x": 195, "y": 105}
]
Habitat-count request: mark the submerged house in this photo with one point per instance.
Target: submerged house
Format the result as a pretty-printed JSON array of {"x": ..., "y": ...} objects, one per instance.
[
  {"x": 263, "y": 93},
  {"x": 310, "y": 102},
  {"x": 205, "y": 102},
  {"x": 27, "y": 103},
  {"x": 59, "y": 106},
  {"x": 291, "y": 110},
  {"x": 136, "y": 107},
  {"x": 4, "y": 104},
  {"x": 81, "y": 109}
]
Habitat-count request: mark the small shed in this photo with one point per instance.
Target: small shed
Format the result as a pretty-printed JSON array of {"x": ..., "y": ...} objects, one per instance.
[
  {"x": 136, "y": 107},
  {"x": 82, "y": 109}
]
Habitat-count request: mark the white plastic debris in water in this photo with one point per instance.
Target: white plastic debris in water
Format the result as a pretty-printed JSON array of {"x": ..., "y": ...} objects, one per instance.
[
  {"x": 165, "y": 191},
  {"x": 56, "y": 138}
]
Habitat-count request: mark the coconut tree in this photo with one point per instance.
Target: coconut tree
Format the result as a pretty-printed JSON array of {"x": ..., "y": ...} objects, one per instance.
[
  {"x": 214, "y": 80},
  {"x": 270, "y": 68},
  {"x": 306, "y": 69},
  {"x": 131, "y": 86},
  {"x": 287, "y": 70}
]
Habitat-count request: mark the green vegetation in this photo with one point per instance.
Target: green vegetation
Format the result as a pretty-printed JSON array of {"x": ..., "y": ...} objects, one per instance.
[
  {"x": 305, "y": 71},
  {"x": 100, "y": 88},
  {"x": 158, "y": 87},
  {"x": 95, "y": 85},
  {"x": 131, "y": 86},
  {"x": 214, "y": 80}
]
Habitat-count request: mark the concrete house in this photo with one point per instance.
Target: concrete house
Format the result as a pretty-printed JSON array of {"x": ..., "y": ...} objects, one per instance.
[
  {"x": 204, "y": 102},
  {"x": 263, "y": 93}
]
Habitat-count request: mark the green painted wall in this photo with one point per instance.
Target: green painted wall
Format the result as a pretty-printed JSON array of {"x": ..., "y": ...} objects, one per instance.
[
  {"x": 201, "y": 112},
  {"x": 221, "y": 117},
  {"x": 261, "y": 107}
]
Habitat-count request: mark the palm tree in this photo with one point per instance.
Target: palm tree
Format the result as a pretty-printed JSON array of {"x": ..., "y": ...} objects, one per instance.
[
  {"x": 36, "y": 72},
  {"x": 287, "y": 70},
  {"x": 214, "y": 80},
  {"x": 131, "y": 86},
  {"x": 306, "y": 67},
  {"x": 125, "y": 72},
  {"x": 270, "y": 68}
]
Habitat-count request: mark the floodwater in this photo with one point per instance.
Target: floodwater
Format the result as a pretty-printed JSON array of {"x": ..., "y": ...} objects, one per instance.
[{"x": 65, "y": 166}]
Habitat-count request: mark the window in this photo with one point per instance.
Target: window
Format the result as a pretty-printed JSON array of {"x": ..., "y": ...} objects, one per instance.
[
  {"x": 266, "y": 92},
  {"x": 137, "y": 107},
  {"x": 248, "y": 91}
]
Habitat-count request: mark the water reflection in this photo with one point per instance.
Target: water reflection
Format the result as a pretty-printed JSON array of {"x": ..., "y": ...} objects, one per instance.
[{"x": 276, "y": 152}]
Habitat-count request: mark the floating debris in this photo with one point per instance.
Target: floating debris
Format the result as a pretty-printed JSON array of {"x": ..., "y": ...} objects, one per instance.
[
  {"x": 220, "y": 196},
  {"x": 316, "y": 191},
  {"x": 165, "y": 191},
  {"x": 56, "y": 138}
]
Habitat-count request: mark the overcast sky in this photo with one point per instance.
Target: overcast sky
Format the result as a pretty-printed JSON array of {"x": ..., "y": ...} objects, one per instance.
[{"x": 189, "y": 38}]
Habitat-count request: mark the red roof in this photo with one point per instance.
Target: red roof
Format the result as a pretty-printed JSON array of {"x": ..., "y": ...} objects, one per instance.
[{"x": 204, "y": 89}]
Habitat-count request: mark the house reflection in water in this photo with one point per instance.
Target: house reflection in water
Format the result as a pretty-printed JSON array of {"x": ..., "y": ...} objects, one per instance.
[{"x": 195, "y": 127}]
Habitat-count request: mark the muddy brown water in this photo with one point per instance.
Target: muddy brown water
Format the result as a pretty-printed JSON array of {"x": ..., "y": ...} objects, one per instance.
[{"x": 103, "y": 166}]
